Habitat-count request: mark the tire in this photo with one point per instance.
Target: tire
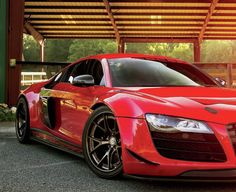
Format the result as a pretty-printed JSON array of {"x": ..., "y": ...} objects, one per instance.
[
  {"x": 22, "y": 124},
  {"x": 102, "y": 144}
]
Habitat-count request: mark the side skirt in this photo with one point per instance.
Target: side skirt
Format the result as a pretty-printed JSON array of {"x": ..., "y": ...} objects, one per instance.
[{"x": 47, "y": 138}]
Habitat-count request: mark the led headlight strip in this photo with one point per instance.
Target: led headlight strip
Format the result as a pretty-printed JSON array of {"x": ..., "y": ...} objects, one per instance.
[{"x": 163, "y": 123}]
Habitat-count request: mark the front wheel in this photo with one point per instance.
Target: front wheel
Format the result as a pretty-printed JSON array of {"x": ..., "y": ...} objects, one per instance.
[
  {"x": 102, "y": 144},
  {"x": 22, "y": 121}
]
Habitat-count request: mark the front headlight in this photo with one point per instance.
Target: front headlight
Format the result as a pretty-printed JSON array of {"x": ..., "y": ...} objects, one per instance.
[{"x": 164, "y": 123}]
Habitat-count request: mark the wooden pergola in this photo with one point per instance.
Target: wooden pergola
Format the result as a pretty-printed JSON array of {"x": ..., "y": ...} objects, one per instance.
[
  {"x": 184, "y": 21},
  {"x": 126, "y": 21}
]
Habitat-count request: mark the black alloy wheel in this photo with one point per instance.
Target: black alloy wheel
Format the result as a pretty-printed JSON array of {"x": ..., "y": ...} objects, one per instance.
[
  {"x": 22, "y": 121},
  {"x": 102, "y": 144}
]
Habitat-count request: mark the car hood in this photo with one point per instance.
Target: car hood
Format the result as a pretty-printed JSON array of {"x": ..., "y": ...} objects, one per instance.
[{"x": 210, "y": 104}]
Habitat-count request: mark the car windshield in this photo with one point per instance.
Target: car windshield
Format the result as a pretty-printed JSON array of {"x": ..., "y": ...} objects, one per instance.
[{"x": 131, "y": 72}]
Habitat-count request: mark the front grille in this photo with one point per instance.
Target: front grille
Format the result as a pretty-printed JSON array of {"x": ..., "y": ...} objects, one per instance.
[
  {"x": 189, "y": 146},
  {"x": 232, "y": 135}
]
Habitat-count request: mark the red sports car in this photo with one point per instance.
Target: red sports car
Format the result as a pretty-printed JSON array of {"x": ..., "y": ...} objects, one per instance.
[{"x": 136, "y": 115}]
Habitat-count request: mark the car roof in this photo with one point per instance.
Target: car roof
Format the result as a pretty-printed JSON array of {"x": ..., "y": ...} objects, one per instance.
[{"x": 131, "y": 55}]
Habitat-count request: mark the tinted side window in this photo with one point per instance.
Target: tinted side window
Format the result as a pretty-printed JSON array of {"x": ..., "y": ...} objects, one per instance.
[
  {"x": 96, "y": 71},
  {"x": 89, "y": 67},
  {"x": 58, "y": 77},
  {"x": 66, "y": 74},
  {"x": 81, "y": 68}
]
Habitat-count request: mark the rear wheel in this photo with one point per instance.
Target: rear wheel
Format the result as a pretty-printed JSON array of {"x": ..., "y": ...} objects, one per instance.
[
  {"x": 22, "y": 121},
  {"x": 102, "y": 144}
]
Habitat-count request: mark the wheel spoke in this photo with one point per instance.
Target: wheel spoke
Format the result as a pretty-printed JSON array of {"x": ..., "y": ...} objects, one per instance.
[
  {"x": 112, "y": 153},
  {"x": 95, "y": 139},
  {"x": 102, "y": 143},
  {"x": 22, "y": 114},
  {"x": 101, "y": 128},
  {"x": 114, "y": 125},
  {"x": 104, "y": 156},
  {"x": 117, "y": 154},
  {"x": 22, "y": 128},
  {"x": 109, "y": 158},
  {"x": 106, "y": 124}
]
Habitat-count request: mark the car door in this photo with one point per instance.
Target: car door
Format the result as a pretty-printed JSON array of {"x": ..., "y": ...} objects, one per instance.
[{"x": 72, "y": 103}]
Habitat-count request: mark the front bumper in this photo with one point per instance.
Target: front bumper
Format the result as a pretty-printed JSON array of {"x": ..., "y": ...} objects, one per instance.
[
  {"x": 136, "y": 138},
  {"x": 195, "y": 176}
]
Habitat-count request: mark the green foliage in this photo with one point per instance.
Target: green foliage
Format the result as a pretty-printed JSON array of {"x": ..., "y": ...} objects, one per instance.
[
  {"x": 137, "y": 48},
  {"x": 84, "y": 47},
  {"x": 7, "y": 114},
  {"x": 217, "y": 51},
  {"x": 31, "y": 49},
  {"x": 57, "y": 50},
  {"x": 177, "y": 50}
]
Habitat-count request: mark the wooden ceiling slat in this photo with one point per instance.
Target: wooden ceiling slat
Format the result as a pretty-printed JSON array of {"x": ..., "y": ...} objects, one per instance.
[
  {"x": 160, "y": 22},
  {"x": 158, "y": 35},
  {"x": 75, "y": 26},
  {"x": 78, "y": 14},
  {"x": 164, "y": 1},
  {"x": 117, "y": 8},
  {"x": 150, "y": 30},
  {"x": 74, "y": 30},
  {"x": 158, "y": 4},
  {"x": 60, "y": 3},
  {"x": 183, "y": 17},
  {"x": 69, "y": 22},
  {"x": 61, "y": 11},
  {"x": 58, "y": 18}
]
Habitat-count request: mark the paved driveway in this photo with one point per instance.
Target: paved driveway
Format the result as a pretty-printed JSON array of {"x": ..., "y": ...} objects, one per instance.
[{"x": 37, "y": 167}]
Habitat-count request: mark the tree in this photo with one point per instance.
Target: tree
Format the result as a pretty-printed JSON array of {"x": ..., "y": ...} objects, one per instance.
[
  {"x": 57, "y": 50},
  {"x": 216, "y": 51},
  {"x": 84, "y": 47},
  {"x": 31, "y": 49},
  {"x": 137, "y": 48},
  {"x": 177, "y": 50}
]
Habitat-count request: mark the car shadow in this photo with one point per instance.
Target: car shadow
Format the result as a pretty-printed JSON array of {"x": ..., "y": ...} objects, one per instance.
[{"x": 132, "y": 184}]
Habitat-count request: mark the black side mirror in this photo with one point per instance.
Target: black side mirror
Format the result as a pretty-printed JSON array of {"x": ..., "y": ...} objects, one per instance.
[
  {"x": 86, "y": 80},
  {"x": 222, "y": 82}
]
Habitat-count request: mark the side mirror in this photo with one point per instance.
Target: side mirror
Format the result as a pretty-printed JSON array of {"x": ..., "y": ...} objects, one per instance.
[
  {"x": 222, "y": 82},
  {"x": 86, "y": 80}
]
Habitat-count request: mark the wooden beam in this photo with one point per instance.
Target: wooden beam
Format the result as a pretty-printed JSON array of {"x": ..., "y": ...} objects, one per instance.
[
  {"x": 229, "y": 77},
  {"x": 121, "y": 46},
  {"x": 197, "y": 51},
  {"x": 158, "y": 40},
  {"x": 42, "y": 52},
  {"x": 32, "y": 31},
  {"x": 15, "y": 41},
  {"x": 109, "y": 12},
  {"x": 207, "y": 19}
]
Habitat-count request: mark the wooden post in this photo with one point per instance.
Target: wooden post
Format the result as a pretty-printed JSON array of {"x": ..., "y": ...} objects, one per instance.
[
  {"x": 121, "y": 46},
  {"x": 229, "y": 75},
  {"x": 15, "y": 48},
  {"x": 197, "y": 51},
  {"x": 42, "y": 51}
]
